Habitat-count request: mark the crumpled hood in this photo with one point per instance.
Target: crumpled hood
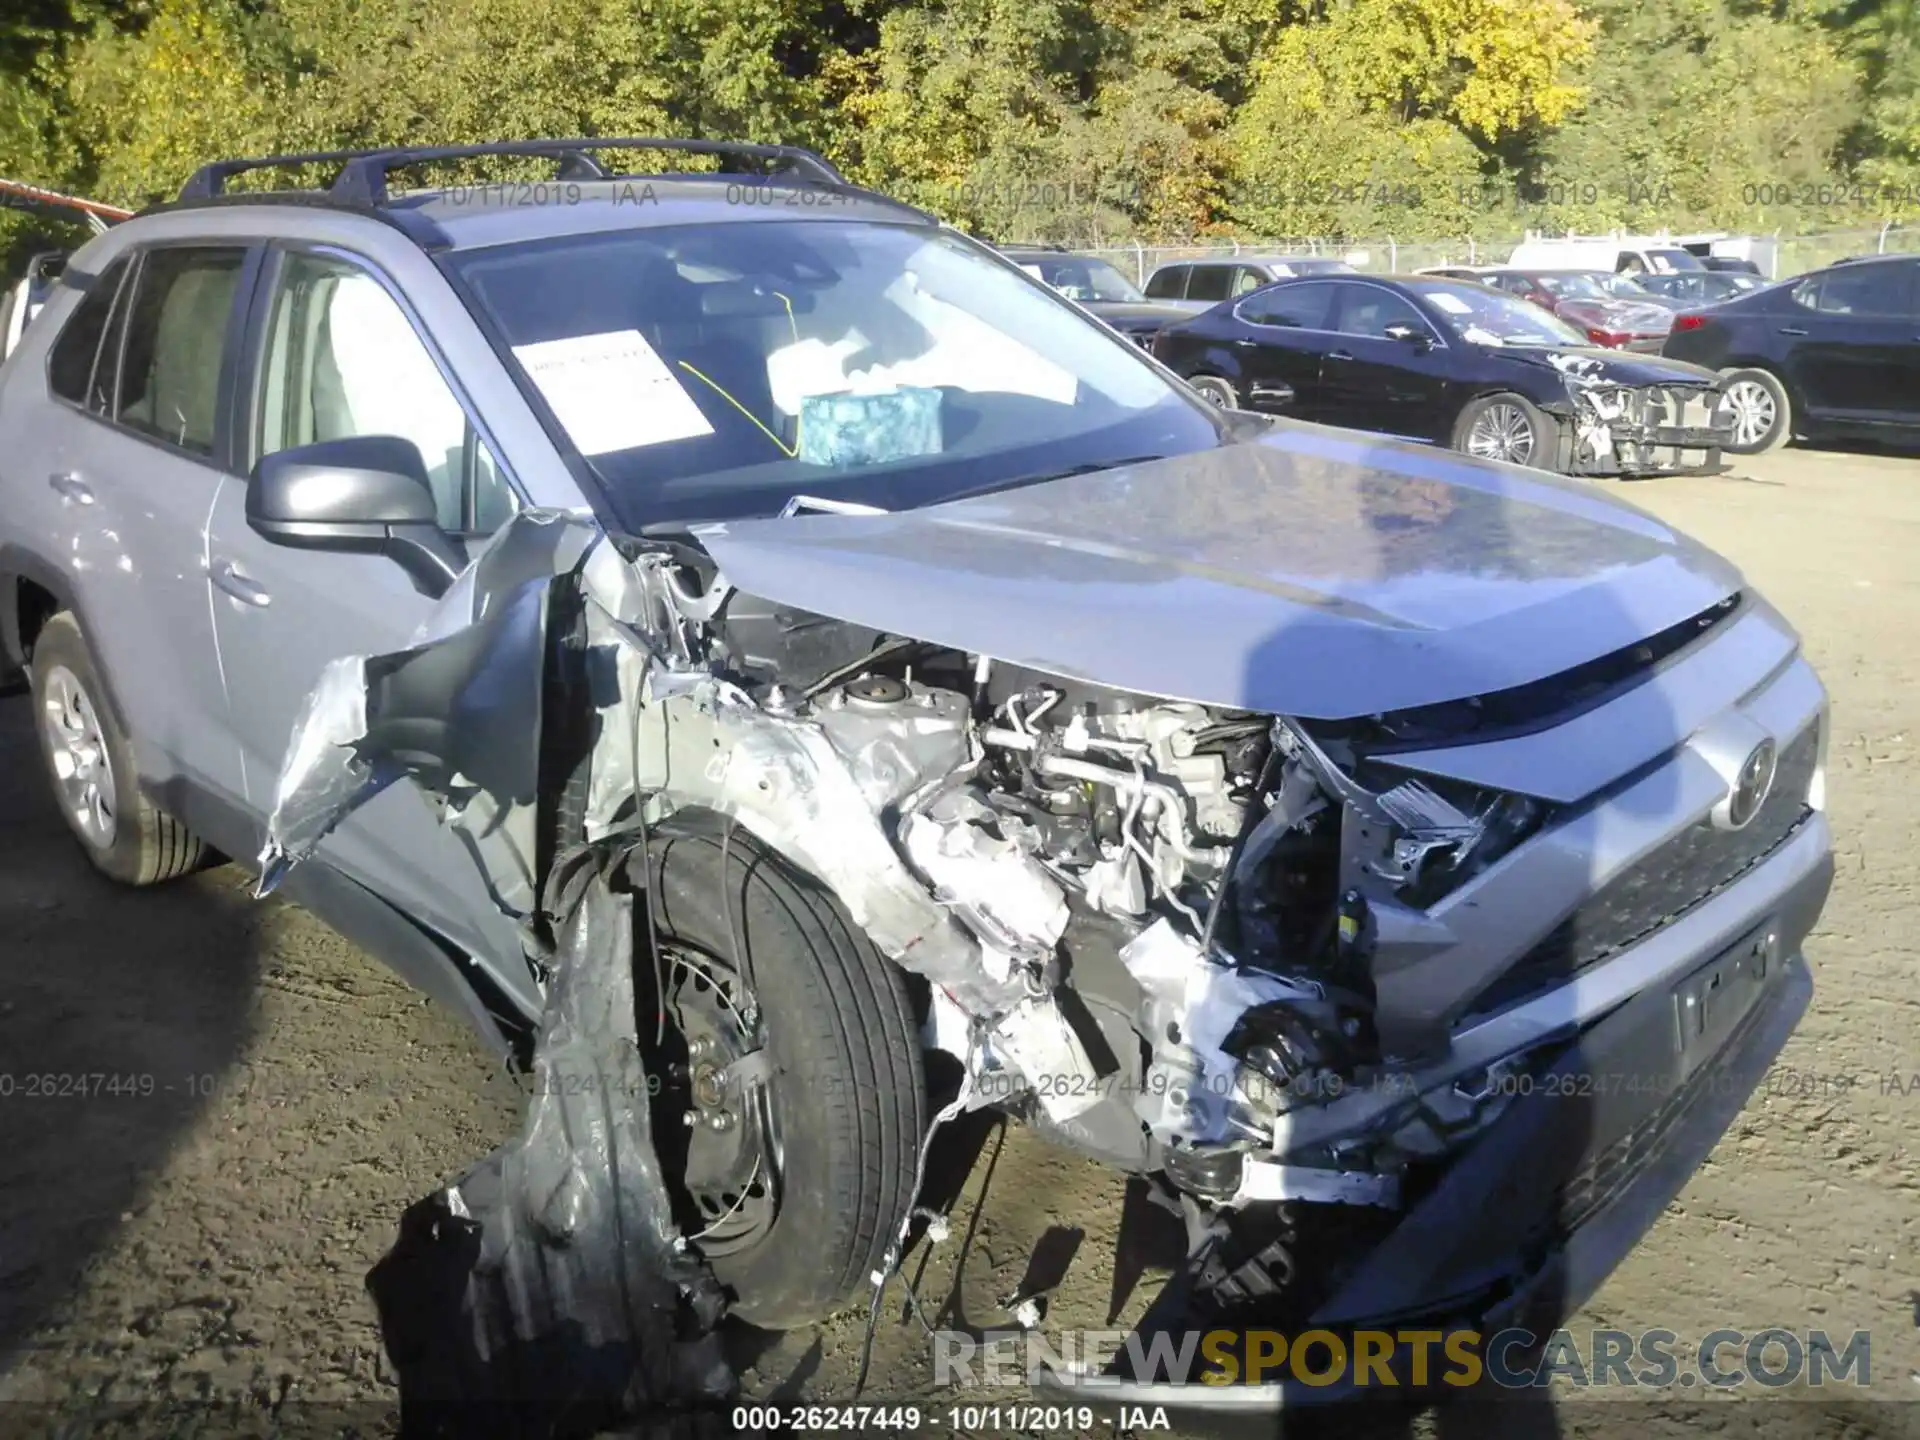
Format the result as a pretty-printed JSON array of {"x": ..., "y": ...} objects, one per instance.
[
  {"x": 1607, "y": 367},
  {"x": 1311, "y": 572},
  {"x": 1631, "y": 317}
]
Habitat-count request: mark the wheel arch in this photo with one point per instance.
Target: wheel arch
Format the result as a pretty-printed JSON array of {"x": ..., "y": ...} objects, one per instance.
[{"x": 32, "y": 592}]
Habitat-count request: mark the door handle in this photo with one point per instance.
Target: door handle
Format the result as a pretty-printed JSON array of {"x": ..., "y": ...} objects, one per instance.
[
  {"x": 1791, "y": 330},
  {"x": 69, "y": 486},
  {"x": 1339, "y": 355},
  {"x": 228, "y": 577}
]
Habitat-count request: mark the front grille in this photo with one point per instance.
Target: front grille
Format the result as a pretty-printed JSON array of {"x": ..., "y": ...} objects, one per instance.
[
  {"x": 1689, "y": 407},
  {"x": 1663, "y": 885}
]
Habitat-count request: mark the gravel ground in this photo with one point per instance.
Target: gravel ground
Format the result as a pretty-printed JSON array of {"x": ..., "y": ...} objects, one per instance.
[{"x": 267, "y": 1100}]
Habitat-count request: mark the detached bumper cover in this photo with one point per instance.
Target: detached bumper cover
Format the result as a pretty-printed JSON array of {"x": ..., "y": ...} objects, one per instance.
[{"x": 1577, "y": 1170}]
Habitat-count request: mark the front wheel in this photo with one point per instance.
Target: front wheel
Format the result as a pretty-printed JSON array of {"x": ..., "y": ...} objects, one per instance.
[
  {"x": 793, "y": 1183},
  {"x": 1510, "y": 428},
  {"x": 1761, "y": 412}
]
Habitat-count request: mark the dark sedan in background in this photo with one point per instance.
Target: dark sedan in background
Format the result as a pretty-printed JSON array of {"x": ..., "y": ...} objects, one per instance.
[
  {"x": 1097, "y": 287},
  {"x": 1833, "y": 354},
  {"x": 1453, "y": 363}
]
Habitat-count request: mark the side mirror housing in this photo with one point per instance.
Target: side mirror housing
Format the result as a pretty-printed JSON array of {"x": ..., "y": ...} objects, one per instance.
[
  {"x": 1410, "y": 335},
  {"x": 368, "y": 494}
]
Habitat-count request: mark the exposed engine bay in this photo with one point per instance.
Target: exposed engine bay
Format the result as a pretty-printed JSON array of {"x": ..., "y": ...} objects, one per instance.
[{"x": 1150, "y": 926}]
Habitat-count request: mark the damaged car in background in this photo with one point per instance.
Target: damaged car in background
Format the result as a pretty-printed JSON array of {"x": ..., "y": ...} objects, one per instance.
[
  {"x": 1456, "y": 363},
  {"x": 792, "y": 665}
]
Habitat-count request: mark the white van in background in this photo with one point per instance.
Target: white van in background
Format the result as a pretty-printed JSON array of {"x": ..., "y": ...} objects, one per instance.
[{"x": 1624, "y": 254}]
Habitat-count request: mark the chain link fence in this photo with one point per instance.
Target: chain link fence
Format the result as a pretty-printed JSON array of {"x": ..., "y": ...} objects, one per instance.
[{"x": 1795, "y": 254}]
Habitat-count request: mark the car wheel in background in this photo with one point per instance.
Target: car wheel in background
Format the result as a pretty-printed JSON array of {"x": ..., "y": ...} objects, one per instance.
[
  {"x": 1761, "y": 412},
  {"x": 1505, "y": 427},
  {"x": 1215, "y": 390},
  {"x": 89, "y": 765}
]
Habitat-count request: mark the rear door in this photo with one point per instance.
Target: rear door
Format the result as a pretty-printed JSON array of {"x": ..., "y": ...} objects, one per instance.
[
  {"x": 1285, "y": 330},
  {"x": 1851, "y": 338},
  {"x": 1370, "y": 381},
  {"x": 133, "y": 460},
  {"x": 332, "y": 354}
]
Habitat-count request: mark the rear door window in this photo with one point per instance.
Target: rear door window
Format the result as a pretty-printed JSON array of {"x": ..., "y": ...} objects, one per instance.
[
  {"x": 176, "y": 343},
  {"x": 1209, "y": 282},
  {"x": 72, "y": 363},
  {"x": 1883, "y": 290},
  {"x": 1306, "y": 306},
  {"x": 1167, "y": 283}
]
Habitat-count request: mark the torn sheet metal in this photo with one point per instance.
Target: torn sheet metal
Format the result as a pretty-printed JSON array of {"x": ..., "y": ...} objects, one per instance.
[
  {"x": 548, "y": 1293},
  {"x": 458, "y": 711},
  {"x": 706, "y": 743}
]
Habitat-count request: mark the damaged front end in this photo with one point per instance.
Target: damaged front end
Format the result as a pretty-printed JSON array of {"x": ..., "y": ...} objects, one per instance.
[
  {"x": 1632, "y": 429},
  {"x": 1219, "y": 947}
]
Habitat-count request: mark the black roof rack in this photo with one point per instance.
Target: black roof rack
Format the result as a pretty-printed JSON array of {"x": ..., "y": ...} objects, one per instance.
[{"x": 362, "y": 180}]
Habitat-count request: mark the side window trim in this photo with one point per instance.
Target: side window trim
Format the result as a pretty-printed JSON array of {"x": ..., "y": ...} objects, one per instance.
[{"x": 259, "y": 328}]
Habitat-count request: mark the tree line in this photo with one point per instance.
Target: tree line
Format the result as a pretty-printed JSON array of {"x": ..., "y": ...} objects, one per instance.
[{"x": 1074, "y": 121}]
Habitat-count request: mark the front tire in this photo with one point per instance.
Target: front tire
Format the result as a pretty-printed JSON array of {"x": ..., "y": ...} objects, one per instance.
[
  {"x": 845, "y": 1102},
  {"x": 1509, "y": 428},
  {"x": 1762, "y": 412},
  {"x": 89, "y": 764}
]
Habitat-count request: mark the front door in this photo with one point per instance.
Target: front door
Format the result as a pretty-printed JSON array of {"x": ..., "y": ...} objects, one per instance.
[
  {"x": 339, "y": 357},
  {"x": 1371, "y": 380}
]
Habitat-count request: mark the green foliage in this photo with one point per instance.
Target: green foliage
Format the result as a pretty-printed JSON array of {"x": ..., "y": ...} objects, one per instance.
[{"x": 1069, "y": 120}]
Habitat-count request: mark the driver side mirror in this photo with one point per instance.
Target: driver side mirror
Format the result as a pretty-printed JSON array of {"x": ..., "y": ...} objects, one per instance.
[
  {"x": 1414, "y": 335},
  {"x": 368, "y": 494}
]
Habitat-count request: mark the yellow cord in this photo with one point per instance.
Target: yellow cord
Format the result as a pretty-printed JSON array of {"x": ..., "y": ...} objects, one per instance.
[{"x": 792, "y": 453}]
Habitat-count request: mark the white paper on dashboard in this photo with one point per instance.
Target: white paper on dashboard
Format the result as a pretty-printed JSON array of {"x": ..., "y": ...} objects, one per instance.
[
  {"x": 1452, "y": 304},
  {"x": 612, "y": 391}
]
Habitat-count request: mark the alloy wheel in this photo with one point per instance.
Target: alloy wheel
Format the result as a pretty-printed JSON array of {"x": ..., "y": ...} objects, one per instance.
[
  {"x": 1502, "y": 431},
  {"x": 82, "y": 765},
  {"x": 1754, "y": 412}
]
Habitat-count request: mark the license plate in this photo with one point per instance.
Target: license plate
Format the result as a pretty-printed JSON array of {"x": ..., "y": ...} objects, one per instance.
[{"x": 1709, "y": 1004}]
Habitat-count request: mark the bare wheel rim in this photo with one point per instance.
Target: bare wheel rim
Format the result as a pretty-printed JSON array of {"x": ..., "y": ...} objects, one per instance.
[
  {"x": 1214, "y": 391},
  {"x": 1502, "y": 431},
  {"x": 77, "y": 751},
  {"x": 1753, "y": 410},
  {"x": 730, "y": 1172}
]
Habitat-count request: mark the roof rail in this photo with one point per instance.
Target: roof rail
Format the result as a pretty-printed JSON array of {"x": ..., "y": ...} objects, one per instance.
[
  {"x": 364, "y": 179},
  {"x": 363, "y": 176}
]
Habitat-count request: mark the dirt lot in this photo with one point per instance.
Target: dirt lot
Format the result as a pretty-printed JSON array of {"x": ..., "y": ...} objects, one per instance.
[{"x": 205, "y": 1232}]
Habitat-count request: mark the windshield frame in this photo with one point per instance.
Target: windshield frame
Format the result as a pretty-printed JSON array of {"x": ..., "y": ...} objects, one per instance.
[{"x": 606, "y": 497}]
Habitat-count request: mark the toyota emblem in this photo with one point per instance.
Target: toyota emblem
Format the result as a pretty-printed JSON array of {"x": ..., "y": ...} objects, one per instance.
[{"x": 1751, "y": 785}]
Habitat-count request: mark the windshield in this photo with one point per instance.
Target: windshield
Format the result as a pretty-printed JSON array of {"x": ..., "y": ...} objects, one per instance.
[
  {"x": 716, "y": 372},
  {"x": 1572, "y": 286},
  {"x": 1079, "y": 278},
  {"x": 1486, "y": 317},
  {"x": 1670, "y": 260}
]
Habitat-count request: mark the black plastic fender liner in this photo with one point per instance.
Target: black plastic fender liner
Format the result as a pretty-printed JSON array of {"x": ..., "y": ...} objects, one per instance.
[{"x": 547, "y": 1293}]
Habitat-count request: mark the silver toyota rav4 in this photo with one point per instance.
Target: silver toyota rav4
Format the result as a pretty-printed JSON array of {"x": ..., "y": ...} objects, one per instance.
[{"x": 1400, "y": 862}]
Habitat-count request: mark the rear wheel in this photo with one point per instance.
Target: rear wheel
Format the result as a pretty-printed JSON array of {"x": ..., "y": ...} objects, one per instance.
[
  {"x": 1761, "y": 412},
  {"x": 1215, "y": 391},
  {"x": 1505, "y": 427},
  {"x": 793, "y": 1165},
  {"x": 89, "y": 763}
]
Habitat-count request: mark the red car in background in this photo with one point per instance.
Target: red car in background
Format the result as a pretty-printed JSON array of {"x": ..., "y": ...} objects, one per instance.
[{"x": 1609, "y": 309}]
